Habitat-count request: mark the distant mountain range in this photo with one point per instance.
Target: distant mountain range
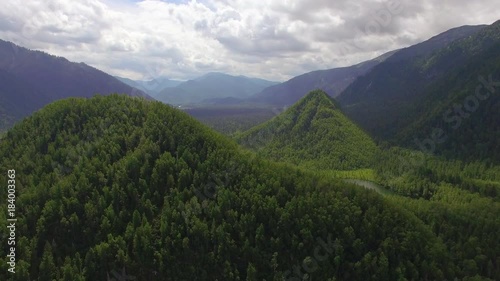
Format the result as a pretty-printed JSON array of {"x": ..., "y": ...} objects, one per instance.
[
  {"x": 404, "y": 95},
  {"x": 31, "y": 79},
  {"x": 379, "y": 96},
  {"x": 151, "y": 87},
  {"x": 212, "y": 87},
  {"x": 313, "y": 133},
  {"x": 397, "y": 97},
  {"x": 332, "y": 81}
]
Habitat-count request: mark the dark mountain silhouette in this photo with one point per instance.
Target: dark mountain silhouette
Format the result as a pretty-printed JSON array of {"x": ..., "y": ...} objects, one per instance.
[
  {"x": 464, "y": 105},
  {"x": 31, "y": 79},
  {"x": 332, "y": 81},
  {"x": 335, "y": 81},
  {"x": 420, "y": 84}
]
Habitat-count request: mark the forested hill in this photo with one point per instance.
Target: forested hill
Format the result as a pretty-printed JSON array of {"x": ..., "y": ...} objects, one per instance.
[
  {"x": 30, "y": 80},
  {"x": 114, "y": 184},
  {"x": 313, "y": 133}
]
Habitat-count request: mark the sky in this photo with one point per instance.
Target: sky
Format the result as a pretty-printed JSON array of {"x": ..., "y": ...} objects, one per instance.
[{"x": 273, "y": 39}]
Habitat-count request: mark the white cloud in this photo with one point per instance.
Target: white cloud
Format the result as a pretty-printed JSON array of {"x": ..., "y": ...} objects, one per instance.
[{"x": 274, "y": 39}]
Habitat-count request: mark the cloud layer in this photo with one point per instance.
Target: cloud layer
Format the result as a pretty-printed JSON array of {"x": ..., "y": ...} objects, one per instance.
[{"x": 274, "y": 39}]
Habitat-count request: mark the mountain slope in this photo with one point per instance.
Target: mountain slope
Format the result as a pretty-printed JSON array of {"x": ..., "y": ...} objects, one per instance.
[
  {"x": 31, "y": 79},
  {"x": 332, "y": 81},
  {"x": 114, "y": 184},
  {"x": 211, "y": 86},
  {"x": 313, "y": 133},
  {"x": 380, "y": 101},
  {"x": 463, "y": 108}
]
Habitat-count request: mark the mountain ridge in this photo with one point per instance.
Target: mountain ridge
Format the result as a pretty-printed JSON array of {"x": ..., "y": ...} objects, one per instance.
[
  {"x": 333, "y": 81},
  {"x": 395, "y": 83},
  {"x": 396, "y": 94},
  {"x": 213, "y": 85},
  {"x": 151, "y": 87}
]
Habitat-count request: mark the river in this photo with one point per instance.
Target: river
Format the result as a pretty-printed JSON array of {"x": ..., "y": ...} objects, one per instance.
[{"x": 370, "y": 185}]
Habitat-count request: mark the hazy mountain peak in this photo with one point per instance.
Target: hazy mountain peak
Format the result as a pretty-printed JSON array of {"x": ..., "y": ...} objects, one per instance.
[
  {"x": 211, "y": 87},
  {"x": 214, "y": 74}
]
